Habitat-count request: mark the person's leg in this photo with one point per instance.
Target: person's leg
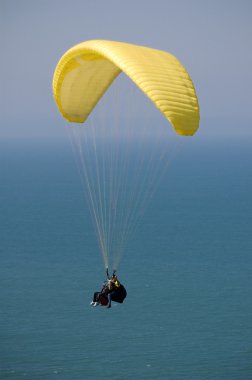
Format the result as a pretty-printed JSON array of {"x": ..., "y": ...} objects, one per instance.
[
  {"x": 110, "y": 298},
  {"x": 95, "y": 300},
  {"x": 96, "y": 297}
]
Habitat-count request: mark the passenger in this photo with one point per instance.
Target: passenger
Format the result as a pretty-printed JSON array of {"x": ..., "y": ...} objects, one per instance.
[{"x": 101, "y": 296}]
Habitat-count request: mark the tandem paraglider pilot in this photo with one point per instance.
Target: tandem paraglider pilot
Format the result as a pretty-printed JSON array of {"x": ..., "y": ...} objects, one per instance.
[{"x": 112, "y": 290}]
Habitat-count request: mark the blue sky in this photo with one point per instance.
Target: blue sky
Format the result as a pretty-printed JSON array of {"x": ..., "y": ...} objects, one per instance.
[{"x": 211, "y": 38}]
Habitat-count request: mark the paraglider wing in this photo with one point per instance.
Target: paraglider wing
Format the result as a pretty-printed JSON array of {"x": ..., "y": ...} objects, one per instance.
[{"x": 85, "y": 72}]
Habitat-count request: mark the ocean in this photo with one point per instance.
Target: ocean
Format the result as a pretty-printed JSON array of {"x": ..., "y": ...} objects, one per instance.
[{"x": 187, "y": 270}]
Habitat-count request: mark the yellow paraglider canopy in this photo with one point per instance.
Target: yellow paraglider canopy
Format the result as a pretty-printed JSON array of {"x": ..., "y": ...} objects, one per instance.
[{"x": 84, "y": 73}]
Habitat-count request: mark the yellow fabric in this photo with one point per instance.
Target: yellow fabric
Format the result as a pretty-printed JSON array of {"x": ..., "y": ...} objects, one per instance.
[
  {"x": 84, "y": 73},
  {"x": 117, "y": 283}
]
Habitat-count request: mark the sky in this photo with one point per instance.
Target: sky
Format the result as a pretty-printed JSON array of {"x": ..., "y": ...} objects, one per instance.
[{"x": 211, "y": 38}]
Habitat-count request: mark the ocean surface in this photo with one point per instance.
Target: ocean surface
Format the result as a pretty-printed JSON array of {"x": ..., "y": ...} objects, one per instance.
[{"x": 188, "y": 271}]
